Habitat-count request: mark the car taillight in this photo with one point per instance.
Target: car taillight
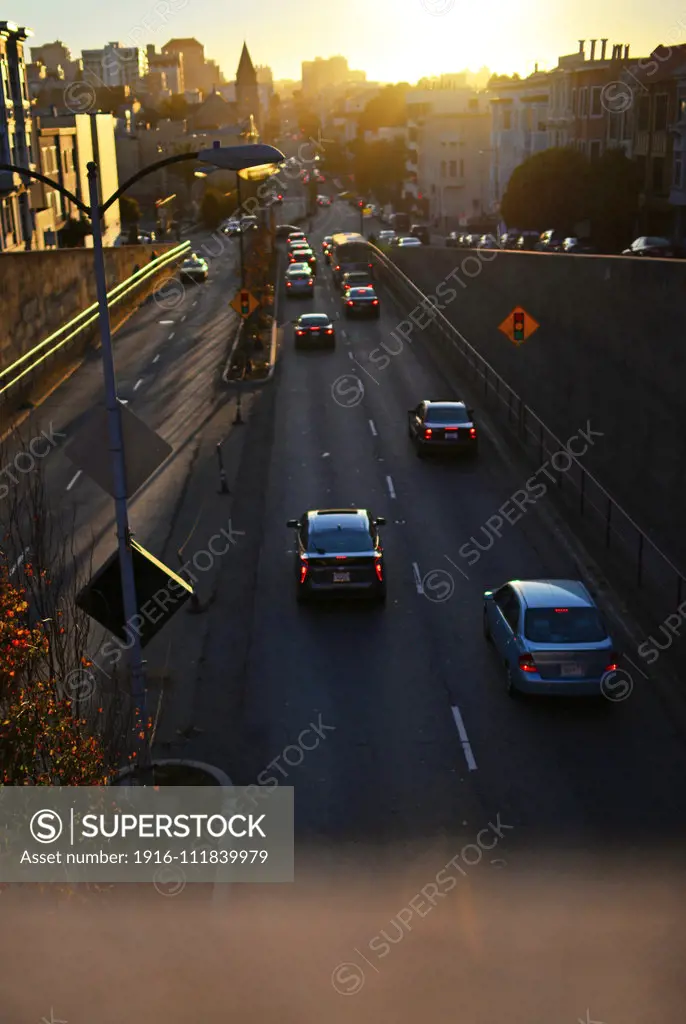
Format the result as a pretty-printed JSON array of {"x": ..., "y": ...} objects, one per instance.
[
  {"x": 303, "y": 572},
  {"x": 472, "y": 432},
  {"x": 375, "y": 302},
  {"x": 299, "y": 332},
  {"x": 527, "y": 663},
  {"x": 613, "y": 662},
  {"x": 379, "y": 569},
  {"x": 336, "y": 267},
  {"x": 311, "y": 281},
  {"x": 341, "y": 558},
  {"x": 427, "y": 433},
  {"x": 448, "y": 429},
  {"x": 329, "y": 330},
  {"x": 288, "y": 284},
  {"x": 350, "y": 302}
]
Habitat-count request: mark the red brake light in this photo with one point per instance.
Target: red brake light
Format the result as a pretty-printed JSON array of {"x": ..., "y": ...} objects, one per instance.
[
  {"x": 450, "y": 428},
  {"x": 303, "y": 572},
  {"x": 379, "y": 570},
  {"x": 427, "y": 433},
  {"x": 311, "y": 281},
  {"x": 341, "y": 558},
  {"x": 561, "y": 611},
  {"x": 329, "y": 330},
  {"x": 336, "y": 267},
  {"x": 288, "y": 284},
  {"x": 612, "y": 667},
  {"x": 375, "y": 302},
  {"x": 527, "y": 663},
  {"x": 472, "y": 432},
  {"x": 350, "y": 302}
]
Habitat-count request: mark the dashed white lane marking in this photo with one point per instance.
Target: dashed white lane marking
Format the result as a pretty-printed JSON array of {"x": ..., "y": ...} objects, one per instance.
[
  {"x": 350, "y": 355},
  {"x": 417, "y": 578},
  {"x": 138, "y": 384},
  {"x": 391, "y": 488},
  {"x": 172, "y": 335},
  {"x": 195, "y": 304},
  {"x": 183, "y": 317},
  {"x": 464, "y": 739},
  {"x": 166, "y": 322},
  {"x": 156, "y": 359},
  {"x": 73, "y": 480},
  {"x": 373, "y": 428},
  {"x": 344, "y": 334}
]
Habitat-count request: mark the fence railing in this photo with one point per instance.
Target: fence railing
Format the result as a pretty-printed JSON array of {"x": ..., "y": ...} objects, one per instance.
[
  {"x": 37, "y": 360},
  {"x": 651, "y": 569}
]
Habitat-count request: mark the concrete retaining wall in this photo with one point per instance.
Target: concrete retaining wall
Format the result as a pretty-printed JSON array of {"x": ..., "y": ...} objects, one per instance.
[
  {"x": 611, "y": 348},
  {"x": 41, "y": 291}
]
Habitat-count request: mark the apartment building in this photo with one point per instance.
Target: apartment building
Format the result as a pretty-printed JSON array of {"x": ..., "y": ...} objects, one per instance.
[
  {"x": 17, "y": 141},
  {"x": 115, "y": 65}
]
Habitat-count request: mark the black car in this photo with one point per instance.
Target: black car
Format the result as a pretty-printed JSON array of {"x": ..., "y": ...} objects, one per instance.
[
  {"x": 552, "y": 241},
  {"x": 303, "y": 254},
  {"x": 314, "y": 329},
  {"x": 339, "y": 552},
  {"x": 361, "y": 302},
  {"x": 421, "y": 232},
  {"x": 356, "y": 279},
  {"x": 528, "y": 241},
  {"x": 443, "y": 426}
]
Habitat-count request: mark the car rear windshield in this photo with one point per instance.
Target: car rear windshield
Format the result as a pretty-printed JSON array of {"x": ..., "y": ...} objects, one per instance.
[
  {"x": 563, "y": 626},
  {"x": 335, "y": 541},
  {"x": 361, "y": 293},
  {"x": 314, "y": 320},
  {"x": 302, "y": 275},
  {"x": 447, "y": 414}
]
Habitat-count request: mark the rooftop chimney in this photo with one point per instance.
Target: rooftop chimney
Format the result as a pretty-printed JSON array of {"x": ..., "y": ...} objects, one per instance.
[
  {"x": 535, "y": 69},
  {"x": 581, "y": 46},
  {"x": 626, "y": 52},
  {"x": 592, "y": 54},
  {"x": 603, "y": 47}
]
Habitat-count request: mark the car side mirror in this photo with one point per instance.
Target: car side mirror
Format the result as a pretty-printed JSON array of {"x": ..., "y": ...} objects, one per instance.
[
  {"x": 380, "y": 521},
  {"x": 294, "y": 523}
]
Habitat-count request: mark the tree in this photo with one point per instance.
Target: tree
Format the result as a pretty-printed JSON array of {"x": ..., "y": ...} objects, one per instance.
[
  {"x": 550, "y": 189},
  {"x": 387, "y": 109},
  {"x": 175, "y": 107},
  {"x": 74, "y": 232},
  {"x": 130, "y": 210},
  {"x": 379, "y": 168},
  {"x": 614, "y": 200}
]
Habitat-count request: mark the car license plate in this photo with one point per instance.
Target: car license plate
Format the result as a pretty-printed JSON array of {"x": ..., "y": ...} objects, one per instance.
[
  {"x": 570, "y": 669},
  {"x": 341, "y": 577},
  {"x": 451, "y": 436}
]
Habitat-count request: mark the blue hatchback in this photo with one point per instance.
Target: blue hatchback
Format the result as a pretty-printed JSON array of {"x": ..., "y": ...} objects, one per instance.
[{"x": 550, "y": 636}]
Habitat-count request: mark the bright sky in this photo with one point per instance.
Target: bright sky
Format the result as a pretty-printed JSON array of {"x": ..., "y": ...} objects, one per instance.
[{"x": 392, "y": 40}]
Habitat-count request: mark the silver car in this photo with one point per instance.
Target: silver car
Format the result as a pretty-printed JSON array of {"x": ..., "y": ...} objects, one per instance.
[
  {"x": 299, "y": 280},
  {"x": 550, "y": 637}
]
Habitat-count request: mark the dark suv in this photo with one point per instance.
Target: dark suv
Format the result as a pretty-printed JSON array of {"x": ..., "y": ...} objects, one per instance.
[{"x": 421, "y": 232}]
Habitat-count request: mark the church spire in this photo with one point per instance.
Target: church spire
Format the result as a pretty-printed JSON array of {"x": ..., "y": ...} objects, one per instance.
[{"x": 246, "y": 74}]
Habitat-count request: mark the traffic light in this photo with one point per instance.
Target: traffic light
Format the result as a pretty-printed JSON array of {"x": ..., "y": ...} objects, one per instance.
[
  {"x": 245, "y": 303},
  {"x": 518, "y": 326}
]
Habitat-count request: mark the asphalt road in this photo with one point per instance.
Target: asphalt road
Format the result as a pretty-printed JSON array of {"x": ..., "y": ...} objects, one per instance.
[{"x": 402, "y": 688}]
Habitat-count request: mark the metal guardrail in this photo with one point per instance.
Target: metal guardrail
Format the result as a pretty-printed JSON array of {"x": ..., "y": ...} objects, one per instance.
[
  {"x": 652, "y": 570},
  {"x": 40, "y": 353}
]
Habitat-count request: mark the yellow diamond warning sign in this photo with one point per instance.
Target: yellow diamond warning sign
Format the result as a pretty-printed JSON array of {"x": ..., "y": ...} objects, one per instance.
[
  {"x": 518, "y": 326},
  {"x": 244, "y": 302}
]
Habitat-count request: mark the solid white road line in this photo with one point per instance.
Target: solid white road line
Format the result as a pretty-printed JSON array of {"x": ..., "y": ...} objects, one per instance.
[
  {"x": 73, "y": 480},
  {"x": 373, "y": 428},
  {"x": 156, "y": 359},
  {"x": 391, "y": 488},
  {"x": 464, "y": 739},
  {"x": 417, "y": 578},
  {"x": 138, "y": 384}
]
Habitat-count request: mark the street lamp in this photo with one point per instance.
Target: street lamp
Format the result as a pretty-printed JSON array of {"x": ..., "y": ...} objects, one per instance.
[{"x": 235, "y": 158}]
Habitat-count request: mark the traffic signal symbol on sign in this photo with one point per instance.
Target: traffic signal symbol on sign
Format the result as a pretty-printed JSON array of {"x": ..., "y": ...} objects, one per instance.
[
  {"x": 518, "y": 326},
  {"x": 244, "y": 302}
]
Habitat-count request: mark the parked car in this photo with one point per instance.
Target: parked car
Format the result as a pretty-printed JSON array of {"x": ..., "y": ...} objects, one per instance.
[
  {"x": 551, "y": 241},
  {"x": 406, "y": 243},
  {"x": 421, "y": 232},
  {"x": 578, "y": 245},
  {"x": 528, "y": 241},
  {"x": 453, "y": 240},
  {"x": 488, "y": 242},
  {"x": 386, "y": 236},
  {"x": 550, "y": 636},
  {"x": 508, "y": 239},
  {"x": 649, "y": 245}
]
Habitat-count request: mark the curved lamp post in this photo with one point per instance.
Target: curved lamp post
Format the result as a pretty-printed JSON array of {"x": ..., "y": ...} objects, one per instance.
[{"x": 232, "y": 158}]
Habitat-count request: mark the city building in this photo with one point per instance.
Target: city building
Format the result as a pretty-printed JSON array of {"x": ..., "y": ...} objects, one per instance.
[
  {"x": 114, "y": 65},
  {"x": 519, "y": 125},
  {"x": 170, "y": 66},
  {"x": 341, "y": 123},
  {"x": 58, "y": 160},
  {"x": 193, "y": 54},
  {"x": 56, "y": 57},
  {"x": 247, "y": 89},
  {"x": 17, "y": 142},
  {"x": 449, "y": 154},
  {"x": 319, "y": 73}
]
